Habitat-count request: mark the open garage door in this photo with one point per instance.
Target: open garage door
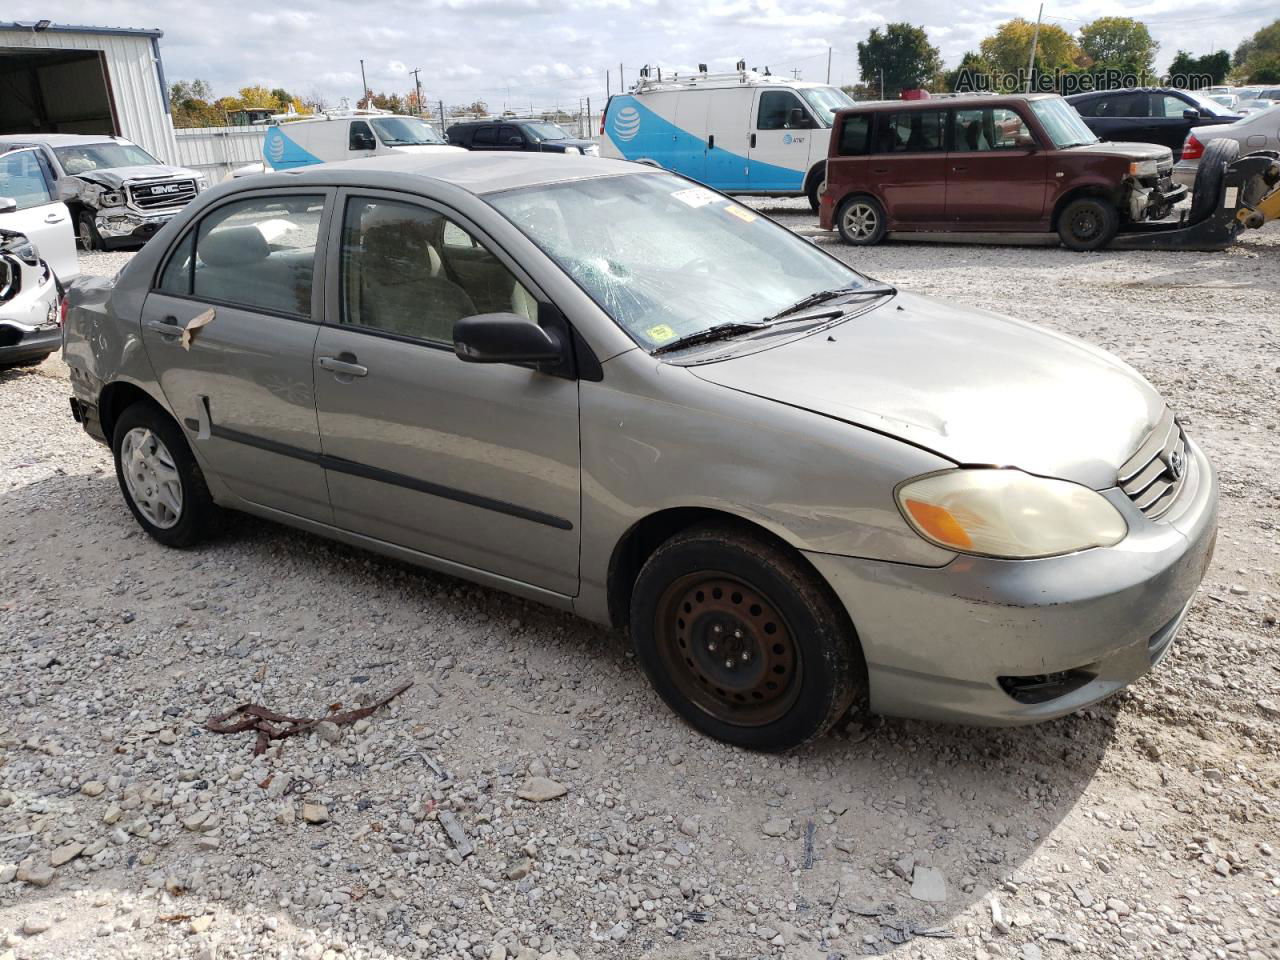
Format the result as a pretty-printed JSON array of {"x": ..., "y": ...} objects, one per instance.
[{"x": 55, "y": 91}]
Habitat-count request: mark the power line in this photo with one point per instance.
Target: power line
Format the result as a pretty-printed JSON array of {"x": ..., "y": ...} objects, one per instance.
[{"x": 1221, "y": 16}]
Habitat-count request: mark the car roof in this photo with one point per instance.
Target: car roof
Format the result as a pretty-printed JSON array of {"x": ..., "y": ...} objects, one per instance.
[
  {"x": 61, "y": 139},
  {"x": 1088, "y": 94},
  {"x": 974, "y": 100},
  {"x": 476, "y": 173}
]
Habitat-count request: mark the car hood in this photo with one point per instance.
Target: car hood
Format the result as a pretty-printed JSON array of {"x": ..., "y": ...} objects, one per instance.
[
  {"x": 972, "y": 386},
  {"x": 423, "y": 147},
  {"x": 116, "y": 177},
  {"x": 1123, "y": 148}
]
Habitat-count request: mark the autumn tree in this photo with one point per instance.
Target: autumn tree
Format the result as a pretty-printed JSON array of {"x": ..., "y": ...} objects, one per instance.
[
  {"x": 973, "y": 73},
  {"x": 1008, "y": 50},
  {"x": 1119, "y": 43},
  {"x": 191, "y": 106},
  {"x": 902, "y": 57}
]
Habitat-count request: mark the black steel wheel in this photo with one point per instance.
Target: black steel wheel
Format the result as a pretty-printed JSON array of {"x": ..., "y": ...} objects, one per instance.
[
  {"x": 743, "y": 641},
  {"x": 1088, "y": 223}
]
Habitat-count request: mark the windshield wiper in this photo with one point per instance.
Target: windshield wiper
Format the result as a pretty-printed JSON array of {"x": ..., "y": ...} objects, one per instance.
[
  {"x": 822, "y": 296},
  {"x": 721, "y": 331}
]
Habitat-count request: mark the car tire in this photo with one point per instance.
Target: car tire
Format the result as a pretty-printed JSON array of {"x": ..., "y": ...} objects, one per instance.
[
  {"x": 1088, "y": 223},
  {"x": 816, "y": 178},
  {"x": 743, "y": 641},
  {"x": 861, "y": 221},
  {"x": 1210, "y": 172},
  {"x": 160, "y": 479},
  {"x": 87, "y": 232}
]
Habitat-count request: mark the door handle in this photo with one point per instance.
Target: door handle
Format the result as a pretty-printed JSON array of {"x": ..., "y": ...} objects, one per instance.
[
  {"x": 54, "y": 218},
  {"x": 880, "y": 170},
  {"x": 167, "y": 328},
  {"x": 753, "y": 141},
  {"x": 343, "y": 365},
  {"x": 959, "y": 169},
  {"x": 711, "y": 141}
]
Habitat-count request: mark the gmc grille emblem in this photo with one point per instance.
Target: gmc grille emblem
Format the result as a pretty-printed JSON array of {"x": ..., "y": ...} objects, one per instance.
[{"x": 167, "y": 188}]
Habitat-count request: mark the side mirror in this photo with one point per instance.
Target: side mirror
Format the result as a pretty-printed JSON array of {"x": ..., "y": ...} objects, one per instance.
[
  {"x": 1190, "y": 114},
  {"x": 797, "y": 119},
  {"x": 505, "y": 338},
  {"x": 515, "y": 141},
  {"x": 8, "y": 205},
  {"x": 363, "y": 142}
]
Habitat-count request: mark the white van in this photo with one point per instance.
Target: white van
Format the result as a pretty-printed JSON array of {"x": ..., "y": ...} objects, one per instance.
[
  {"x": 742, "y": 132},
  {"x": 342, "y": 135}
]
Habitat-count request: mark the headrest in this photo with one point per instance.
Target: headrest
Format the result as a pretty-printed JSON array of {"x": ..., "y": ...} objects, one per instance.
[{"x": 233, "y": 247}]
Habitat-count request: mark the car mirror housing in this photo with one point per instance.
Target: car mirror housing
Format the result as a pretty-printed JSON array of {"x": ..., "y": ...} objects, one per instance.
[
  {"x": 515, "y": 141},
  {"x": 1190, "y": 114},
  {"x": 8, "y": 205},
  {"x": 505, "y": 338},
  {"x": 796, "y": 119}
]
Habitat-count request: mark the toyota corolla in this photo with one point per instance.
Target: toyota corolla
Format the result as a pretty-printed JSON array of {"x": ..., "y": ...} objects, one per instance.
[{"x": 613, "y": 391}]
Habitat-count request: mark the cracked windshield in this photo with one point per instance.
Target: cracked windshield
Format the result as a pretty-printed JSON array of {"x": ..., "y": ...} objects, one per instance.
[{"x": 629, "y": 241}]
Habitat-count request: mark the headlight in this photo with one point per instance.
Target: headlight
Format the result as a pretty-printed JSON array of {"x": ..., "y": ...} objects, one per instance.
[
  {"x": 202, "y": 183},
  {"x": 572, "y": 150},
  {"x": 1143, "y": 168},
  {"x": 111, "y": 199},
  {"x": 1007, "y": 513},
  {"x": 26, "y": 252}
]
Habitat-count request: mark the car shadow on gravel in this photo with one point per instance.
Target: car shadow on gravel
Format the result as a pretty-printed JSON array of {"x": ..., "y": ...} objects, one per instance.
[{"x": 888, "y": 828}]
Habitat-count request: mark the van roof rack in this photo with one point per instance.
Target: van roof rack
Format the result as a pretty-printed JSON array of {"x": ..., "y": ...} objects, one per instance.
[{"x": 648, "y": 83}]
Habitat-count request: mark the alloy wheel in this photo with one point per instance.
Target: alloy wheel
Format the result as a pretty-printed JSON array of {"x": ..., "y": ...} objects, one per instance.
[
  {"x": 728, "y": 649},
  {"x": 861, "y": 221},
  {"x": 151, "y": 477}
]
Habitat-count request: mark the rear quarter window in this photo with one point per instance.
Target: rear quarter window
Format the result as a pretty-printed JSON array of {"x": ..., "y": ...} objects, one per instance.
[{"x": 855, "y": 135}]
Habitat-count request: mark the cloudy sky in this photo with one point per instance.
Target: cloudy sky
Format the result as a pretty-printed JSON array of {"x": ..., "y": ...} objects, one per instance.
[{"x": 548, "y": 52}]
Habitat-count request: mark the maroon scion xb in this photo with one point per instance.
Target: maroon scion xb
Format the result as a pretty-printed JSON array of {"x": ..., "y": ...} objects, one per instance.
[{"x": 983, "y": 164}]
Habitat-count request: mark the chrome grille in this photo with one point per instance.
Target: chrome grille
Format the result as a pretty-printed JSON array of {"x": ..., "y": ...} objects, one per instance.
[
  {"x": 167, "y": 193},
  {"x": 1153, "y": 477},
  {"x": 1164, "y": 166}
]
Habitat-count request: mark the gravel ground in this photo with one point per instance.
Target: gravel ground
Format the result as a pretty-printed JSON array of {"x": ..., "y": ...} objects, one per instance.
[{"x": 1142, "y": 827}]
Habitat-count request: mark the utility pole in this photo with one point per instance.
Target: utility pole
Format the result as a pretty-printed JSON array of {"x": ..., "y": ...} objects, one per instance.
[
  {"x": 1035, "y": 40},
  {"x": 442, "y": 118},
  {"x": 364, "y": 85},
  {"x": 608, "y": 90},
  {"x": 795, "y": 72},
  {"x": 622, "y": 85},
  {"x": 828, "y": 64},
  {"x": 882, "y": 83},
  {"x": 590, "y": 125},
  {"x": 418, "y": 86}
]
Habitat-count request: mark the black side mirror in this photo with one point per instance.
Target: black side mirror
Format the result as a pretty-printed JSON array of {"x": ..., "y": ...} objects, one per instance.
[
  {"x": 1190, "y": 114},
  {"x": 515, "y": 141},
  {"x": 363, "y": 141},
  {"x": 796, "y": 119},
  {"x": 505, "y": 338},
  {"x": 8, "y": 205}
]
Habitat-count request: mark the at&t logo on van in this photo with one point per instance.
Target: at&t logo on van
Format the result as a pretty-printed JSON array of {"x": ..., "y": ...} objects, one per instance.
[{"x": 627, "y": 123}]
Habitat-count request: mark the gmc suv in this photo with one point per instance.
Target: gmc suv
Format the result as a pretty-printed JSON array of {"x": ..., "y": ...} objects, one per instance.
[
  {"x": 510, "y": 134},
  {"x": 118, "y": 193}
]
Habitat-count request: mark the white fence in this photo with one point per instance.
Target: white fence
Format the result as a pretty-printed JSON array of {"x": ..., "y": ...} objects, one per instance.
[{"x": 216, "y": 151}]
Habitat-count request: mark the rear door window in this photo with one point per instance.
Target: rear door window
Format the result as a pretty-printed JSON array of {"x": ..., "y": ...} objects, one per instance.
[
  {"x": 485, "y": 137},
  {"x": 258, "y": 254},
  {"x": 911, "y": 131},
  {"x": 855, "y": 135},
  {"x": 507, "y": 133}
]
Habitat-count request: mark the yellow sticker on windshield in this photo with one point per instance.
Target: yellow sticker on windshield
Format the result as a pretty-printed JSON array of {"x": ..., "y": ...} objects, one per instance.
[
  {"x": 742, "y": 213},
  {"x": 660, "y": 333}
]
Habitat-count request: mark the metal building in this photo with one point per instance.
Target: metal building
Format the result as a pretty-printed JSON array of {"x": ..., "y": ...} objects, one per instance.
[{"x": 56, "y": 78}]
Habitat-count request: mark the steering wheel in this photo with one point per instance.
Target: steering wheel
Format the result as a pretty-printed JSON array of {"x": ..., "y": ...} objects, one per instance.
[{"x": 703, "y": 265}]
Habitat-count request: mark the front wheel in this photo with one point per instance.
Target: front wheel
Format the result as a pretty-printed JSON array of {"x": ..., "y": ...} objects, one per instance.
[
  {"x": 87, "y": 232},
  {"x": 861, "y": 221},
  {"x": 743, "y": 642},
  {"x": 160, "y": 479},
  {"x": 1088, "y": 224}
]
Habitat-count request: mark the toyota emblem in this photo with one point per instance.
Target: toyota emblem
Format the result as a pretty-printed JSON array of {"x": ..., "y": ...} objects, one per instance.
[{"x": 1177, "y": 464}]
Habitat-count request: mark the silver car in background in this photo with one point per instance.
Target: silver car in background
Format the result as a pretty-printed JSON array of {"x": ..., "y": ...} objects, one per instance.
[
  {"x": 606, "y": 388},
  {"x": 1254, "y": 132}
]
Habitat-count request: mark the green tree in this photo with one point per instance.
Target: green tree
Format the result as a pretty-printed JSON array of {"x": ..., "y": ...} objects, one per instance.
[
  {"x": 1188, "y": 71},
  {"x": 1009, "y": 48},
  {"x": 901, "y": 56},
  {"x": 1119, "y": 43},
  {"x": 189, "y": 103},
  {"x": 1259, "y": 55},
  {"x": 388, "y": 101},
  {"x": 973, "y": 73}
]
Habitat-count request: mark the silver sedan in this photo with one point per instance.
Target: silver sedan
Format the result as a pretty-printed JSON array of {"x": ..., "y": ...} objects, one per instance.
[
  {"x": 1257, "y": 131},
  {"x": 611, "y": 390}
]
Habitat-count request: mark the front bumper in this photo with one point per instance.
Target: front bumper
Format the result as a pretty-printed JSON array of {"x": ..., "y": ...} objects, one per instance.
[
  {"x": 29, "y": 326},
  {"x": 120, "y": 226},
  {"x": 938, "y": 640}
]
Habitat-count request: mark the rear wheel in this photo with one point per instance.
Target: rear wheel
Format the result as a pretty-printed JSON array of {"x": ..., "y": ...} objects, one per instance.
[
  {"x": 861, "y": 221},
  {"x": 815, "y": 184},
  {"x": 1210, "y": 173},
  {"x": 743, "y": 642},
  {"x": 160, "y": 479},
  {"x": 1088, "y": 223}
]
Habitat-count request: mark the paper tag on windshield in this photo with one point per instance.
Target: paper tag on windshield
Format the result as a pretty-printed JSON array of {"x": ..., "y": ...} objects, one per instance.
[
  {"x": 1229, "y": 197},
  {"x": 660, "y": 333},
  {"x": 696, "y": 196},
  {"x": 742, "y": 213}
]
